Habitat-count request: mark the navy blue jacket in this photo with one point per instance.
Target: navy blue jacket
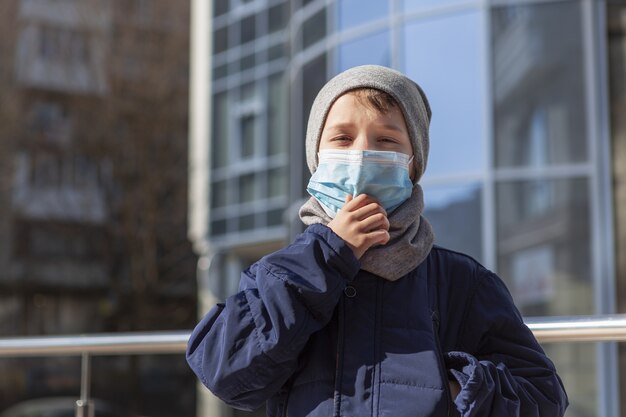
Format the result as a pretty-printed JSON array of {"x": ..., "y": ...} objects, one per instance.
[{"x": 310, "y": 334}]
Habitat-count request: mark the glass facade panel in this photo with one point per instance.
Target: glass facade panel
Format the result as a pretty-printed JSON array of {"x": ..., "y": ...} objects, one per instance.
[
  {"x": 247, "y": 136},
  {"x": 373, "y": 49},
  {"x": 220, "y": 7},
  {"x": 246, "y": 222},
  {"x": 455, "y": 213},
  {"x": 539, "y": 85},
  {"x": 355, "y": 12},
  {"x": 277, "y": 17},
  {"x": 221, "y": 130},
  {"x": 220, "y": 40},
  {"x": 248, "y": 29},
  {"x": 247, "y": 62},
  {"x": 276, "y": 52},
  {"x": 314, "y": 29},
  {"x": 543, "y": 229},
  {"x": 277, "y": 115},
  {"x": 450, "y": 68},
  {"x": 219, "y": 194},
  {"x": 277, "y": 179},
  {"x": 247, "y": 188},
  {"x": 275, "y": 217}
]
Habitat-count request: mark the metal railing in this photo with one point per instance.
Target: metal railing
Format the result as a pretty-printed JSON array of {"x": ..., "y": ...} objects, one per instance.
[{"x": 546, "y": 330}]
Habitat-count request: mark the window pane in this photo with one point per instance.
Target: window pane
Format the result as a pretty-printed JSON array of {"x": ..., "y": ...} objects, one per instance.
[
  {"x": 218, "y": 227},
  {"x": 276, "y": 52},
  {"x": 455, "y": 214},
  {"x": 355, "y": 12},
  {"x": 314, "y": 29},
  {"x": 221, "y": 129},
  {"x": 247, "y": 136},
  {"x": 277, "y": 16},
  {"x": 220, "y": 7},
  {"x": 247, "y": 62},
  {"x": 219, "y": 194},
  {"x": 246, "y": 222},
  {"x": 539, "y": 84},
  {"x": 277, "y": 179},
  {"x": 247, "y": 188},
  {"x": 275, "y": 217},
  {"x": 374, "y": 49},
  {"x": 277, "y": 115},
  {"x": 248, "y": 29},
  {"x": 220, "y": 42},
  {"x": 544, "y": 250},
  {"x": 449, "y": 67}
]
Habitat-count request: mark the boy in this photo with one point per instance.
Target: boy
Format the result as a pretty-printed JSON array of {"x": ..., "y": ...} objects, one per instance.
[{"x": 362, "y": 315}]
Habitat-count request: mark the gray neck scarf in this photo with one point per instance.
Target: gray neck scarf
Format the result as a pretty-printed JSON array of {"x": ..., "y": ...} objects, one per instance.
[{"x": 411, "y": 237}]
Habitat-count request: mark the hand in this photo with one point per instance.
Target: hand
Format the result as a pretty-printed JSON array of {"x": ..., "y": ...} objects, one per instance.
[{"x": 361, "y": 223}]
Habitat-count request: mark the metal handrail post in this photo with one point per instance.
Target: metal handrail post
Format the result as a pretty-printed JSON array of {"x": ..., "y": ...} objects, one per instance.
[{"x": 84, "y": 406}]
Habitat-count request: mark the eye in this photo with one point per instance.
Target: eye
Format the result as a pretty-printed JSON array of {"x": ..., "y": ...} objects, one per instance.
[
  {"x": 387, "y": 139},
  {"x": 341, "y": 139}
]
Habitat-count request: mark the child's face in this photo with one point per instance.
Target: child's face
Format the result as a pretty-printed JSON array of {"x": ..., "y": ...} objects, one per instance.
[{"x": 352, "y": 125}]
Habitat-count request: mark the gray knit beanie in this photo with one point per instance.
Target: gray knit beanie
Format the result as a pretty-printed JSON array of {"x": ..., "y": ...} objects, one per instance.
[{"x": 409, "y": 96}]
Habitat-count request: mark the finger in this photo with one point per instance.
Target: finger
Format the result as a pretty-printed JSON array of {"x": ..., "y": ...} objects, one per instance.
[
  {"x": 356, "y": 202},
  {"x": 377, "y": 237},
  {"x": 377, "y": 221},
  {"x": 369, "y": 210}
]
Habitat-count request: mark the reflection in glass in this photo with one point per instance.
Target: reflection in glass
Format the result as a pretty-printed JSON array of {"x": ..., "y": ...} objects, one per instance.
[
  {"x": 374, "y": 49},
  {"x": 355, "y": 12},
  {"x": 455, "y": 214},
  {"x": 445, "y": 57},
  {"x": 544, "y": 250},
  {"x": 539, "y": 84}
]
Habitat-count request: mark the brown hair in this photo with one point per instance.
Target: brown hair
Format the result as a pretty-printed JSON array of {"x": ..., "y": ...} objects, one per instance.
[{"x": 375, "y": 99}]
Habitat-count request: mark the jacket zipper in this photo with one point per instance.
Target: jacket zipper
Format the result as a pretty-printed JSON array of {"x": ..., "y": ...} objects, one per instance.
[
  {"x": 339, "y": 358},
  {"x": 442, "y": 368}
]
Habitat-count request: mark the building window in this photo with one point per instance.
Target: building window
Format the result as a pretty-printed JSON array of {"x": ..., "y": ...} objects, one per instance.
[{"x": 277, "y": 115}]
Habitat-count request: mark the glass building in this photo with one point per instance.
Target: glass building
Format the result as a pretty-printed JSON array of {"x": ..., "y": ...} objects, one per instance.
[{"x": 527, "y": 143}]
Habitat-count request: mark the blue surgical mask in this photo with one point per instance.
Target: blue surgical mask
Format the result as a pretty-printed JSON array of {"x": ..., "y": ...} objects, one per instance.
[{"x": 382, "y": 175}]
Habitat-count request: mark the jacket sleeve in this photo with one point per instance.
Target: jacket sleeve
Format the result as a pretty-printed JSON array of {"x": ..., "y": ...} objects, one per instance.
[
  {"x": 246, "y": 348},
  {"x": 502, "y": 369}
]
